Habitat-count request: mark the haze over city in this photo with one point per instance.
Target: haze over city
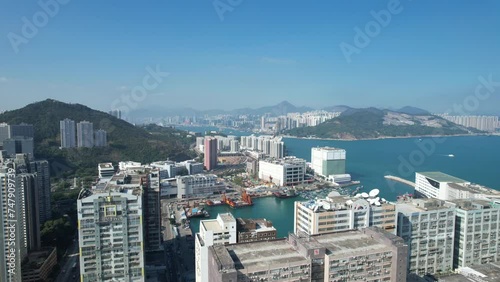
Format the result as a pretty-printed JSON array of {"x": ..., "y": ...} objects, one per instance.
[{"x": 426, "y": 54}]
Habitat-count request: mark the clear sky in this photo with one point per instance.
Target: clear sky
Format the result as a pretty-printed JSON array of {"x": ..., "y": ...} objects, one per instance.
[{"x": 257, "y": 53}]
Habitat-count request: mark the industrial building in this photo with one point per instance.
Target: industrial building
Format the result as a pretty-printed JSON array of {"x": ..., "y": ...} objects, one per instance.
[
  {"x": 370, "y": 254},
  {"x": 251, "y": 230},
  {"x": 442, "y": 186},
  {"x": 340, "y": 213},
  {"x": 198, "y": 185},
  {"x": 283, "y": 172},
  {"x": 212, "y": 232},
  {"x": 326, "y": 161},
  {"x": 428, "y": 227},
  {"x": 477, "y": 232}
]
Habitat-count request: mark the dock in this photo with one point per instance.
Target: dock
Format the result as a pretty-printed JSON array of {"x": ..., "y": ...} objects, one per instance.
[{"x": 401, "y": 180}]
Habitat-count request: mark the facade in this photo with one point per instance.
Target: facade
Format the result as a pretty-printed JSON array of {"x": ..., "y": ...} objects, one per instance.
[
  {"x": 68, "y": 133},
  {"x": 42, "y": 170},
  {"x": 283, "y": 172},
  {"x": 20, "y": 225},
  {"x": 4, "y": 132},
  {"x": 116, "y": 113},
  {"x": 252, "y": 230},
  {"x": 428, "y": 227},
  {"x": 218, "y": 231},
  {"x": 328, "y": 161},
  {"x": 270, "y": 146},
  {"x": 341, "y": 213},
  {"x": 198, "y": 185},
  {"x": 477, "y": 232},
  {"x": 366, "y": 255},
  {"x": 110, "y": 228},
  {"x": 235, "y": 146},
  {"x": 442, "y": 186},
  {"x": 170, "y": 169},
  {"x": 106, "y": 170},
  {"x": 39, "y": 265},
  {"x": 210, "y": 160},
  {"x": 19, "y": 145},
  {"x": 101, "y": 139},
  {"x": 22, "y": 130},
  {"x": 152, "y": 211},
  {"x": 85, "y": 134}
]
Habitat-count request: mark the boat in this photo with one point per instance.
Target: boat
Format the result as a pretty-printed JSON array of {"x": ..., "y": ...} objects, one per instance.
[
  {"x": 451, "y": 155},
  {"x": 285, "y": 194},
  {"x": 214, "y": 203},
  {"x": 196, "y": 212}
]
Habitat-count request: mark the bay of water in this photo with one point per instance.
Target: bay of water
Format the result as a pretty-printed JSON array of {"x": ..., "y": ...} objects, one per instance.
[{"x": 476, "y": 159}]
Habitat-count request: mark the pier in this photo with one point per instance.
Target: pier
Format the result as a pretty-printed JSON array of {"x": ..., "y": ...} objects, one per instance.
[{"x": 401, "y": 180}]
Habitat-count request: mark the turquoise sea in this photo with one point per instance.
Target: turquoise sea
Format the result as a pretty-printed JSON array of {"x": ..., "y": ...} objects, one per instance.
[{"x": 475, "y": 158}]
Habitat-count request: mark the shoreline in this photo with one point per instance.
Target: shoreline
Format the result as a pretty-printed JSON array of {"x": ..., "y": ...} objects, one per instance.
[{"x": 389, "y": 137}]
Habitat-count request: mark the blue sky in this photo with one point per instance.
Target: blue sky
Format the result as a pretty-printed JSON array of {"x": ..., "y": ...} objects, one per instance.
[{"x": 429, "y": 55}]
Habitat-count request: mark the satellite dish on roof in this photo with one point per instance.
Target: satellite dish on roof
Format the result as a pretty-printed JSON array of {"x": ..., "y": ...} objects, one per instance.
[
  {"x": 377, "y": 199},
  {"x": 364, "y": 195},
  {"x": 383, "y": 200},
  {"x": 377, "y": 203},
  {"x": 374, "y": 193},
  {"x": 349, "y": 202},
  {"x": 333, "y": 194},
  {"x": 357, "y": 196}
]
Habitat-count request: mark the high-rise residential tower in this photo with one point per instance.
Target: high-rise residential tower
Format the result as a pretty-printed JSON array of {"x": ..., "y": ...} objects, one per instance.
[
  {"x": 210, "y": 153},
  {"x": 85, "y": 134},
  {"x": 68, "y": 133}
]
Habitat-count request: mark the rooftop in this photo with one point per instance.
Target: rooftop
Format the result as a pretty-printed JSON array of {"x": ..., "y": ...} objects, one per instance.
[
  {"x": 474, "y": 188},
  {"x": 106, "y": 166},
  {"x": 327, "y": 149},
  {"x": 489, "y": 272},
  {"x": 212, "y": 225},
  {"x": 474, "y": 204},
  {"x": 420, "y": 205},
  {"x": 259, "y": 255},
  {"x": 441, "y": 177}
]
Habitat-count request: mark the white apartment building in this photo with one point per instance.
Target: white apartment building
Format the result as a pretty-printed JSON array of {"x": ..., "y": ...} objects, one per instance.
[
  {"x": 328, "y": 161},
  {"x": 428, "y": 227},
  {"x": 477, "y": 232},
  {"x": 442, "y": 186},
  {"x": 341, "y": 213},
  {"x": 283, "y": 172},
  {"x": 111, "y": 237},
  {"x": 218, "y": 231}
]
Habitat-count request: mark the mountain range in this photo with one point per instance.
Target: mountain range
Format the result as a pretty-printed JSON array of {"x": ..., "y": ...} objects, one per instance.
[
  {"x": 281, "y": 108},
  {"x": 368, "y": 123}
]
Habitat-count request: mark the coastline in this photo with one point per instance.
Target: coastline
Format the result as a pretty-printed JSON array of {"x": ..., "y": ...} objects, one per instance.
[{"x": 391, "y": 137}]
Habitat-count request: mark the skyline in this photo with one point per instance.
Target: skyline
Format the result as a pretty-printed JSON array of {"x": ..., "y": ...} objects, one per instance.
[{"x": 428, "y": 55}]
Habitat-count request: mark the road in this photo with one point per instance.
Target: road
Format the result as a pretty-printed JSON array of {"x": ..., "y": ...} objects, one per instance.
[{"x": 68, "y": 274}]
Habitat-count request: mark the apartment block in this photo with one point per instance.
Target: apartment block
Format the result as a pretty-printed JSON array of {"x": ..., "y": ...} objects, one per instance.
[{"x": 111, "y": 237}]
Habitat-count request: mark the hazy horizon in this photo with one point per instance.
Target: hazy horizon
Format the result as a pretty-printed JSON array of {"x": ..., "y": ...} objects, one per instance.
[{"x": 385, "y": 54}]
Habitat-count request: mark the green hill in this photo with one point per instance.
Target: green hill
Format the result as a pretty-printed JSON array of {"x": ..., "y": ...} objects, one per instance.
[
  {"x": 374, "y": 123},
  {"x": 125, "y": 141}
]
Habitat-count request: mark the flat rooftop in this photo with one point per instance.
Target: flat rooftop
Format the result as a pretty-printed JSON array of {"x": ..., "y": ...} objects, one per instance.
[
  {"x": 474, "y": 204},
  {"x": 441, "y": 177},
  {"x": 474, "y": 188},
  {"x": 212, "y": 225},
  {"x": 489, "y": 272},
  {"x": 420, "y": 205},
  {"x": 259, "y": 255},
  {"x": 226, "y": 217}
]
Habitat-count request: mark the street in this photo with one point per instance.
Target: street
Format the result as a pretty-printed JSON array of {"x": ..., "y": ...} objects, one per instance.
[{"x": 68, "y": 272}]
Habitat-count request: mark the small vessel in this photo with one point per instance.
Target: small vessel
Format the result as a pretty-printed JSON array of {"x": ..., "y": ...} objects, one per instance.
[
  {"x": 285, "y": 194},
  {"x": 451, "y": 155}
]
